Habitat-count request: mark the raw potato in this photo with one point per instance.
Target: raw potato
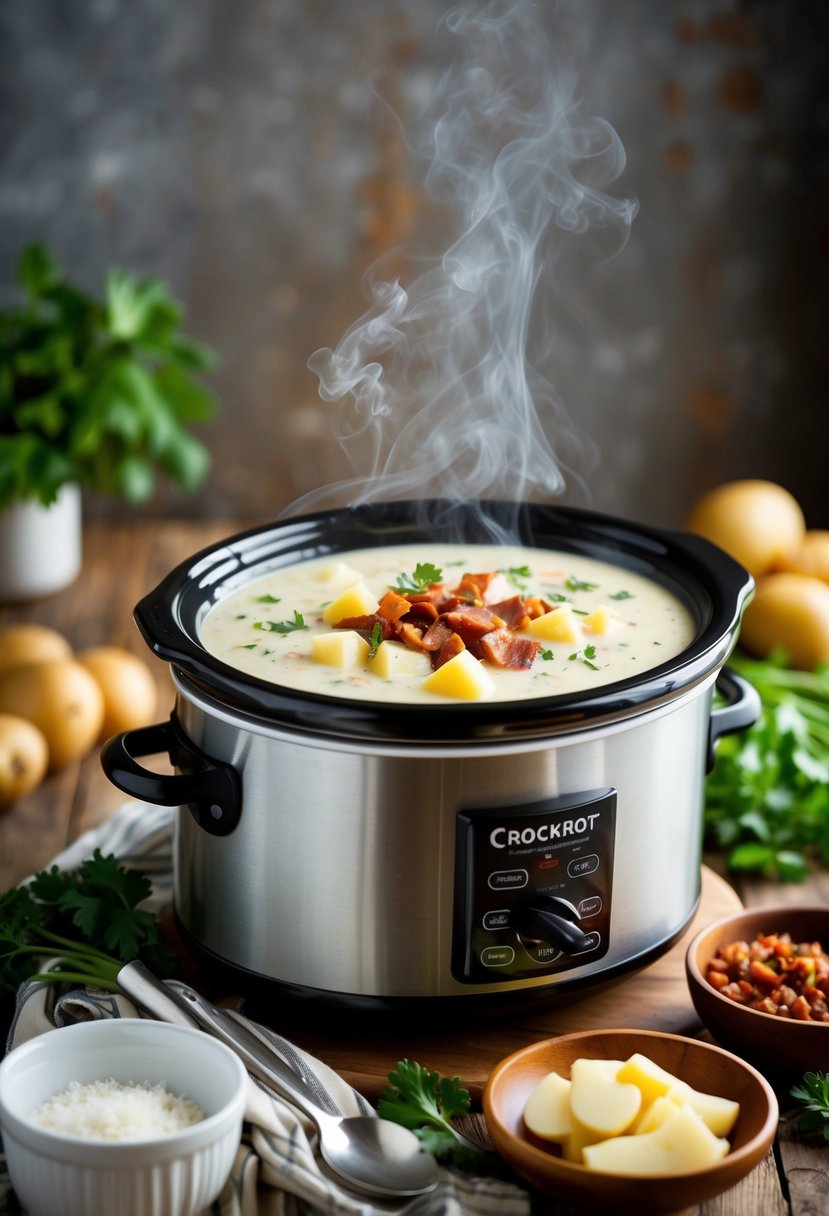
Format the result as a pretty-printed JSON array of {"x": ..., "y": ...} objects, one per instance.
[
  {"x": 758, "y": 523},
  {"x": 653, "y": 1116},
  {"x": 682, "y": 1143},
  {"x": 599, "y": 1102},
  {"x": 127, "y": 685},
  {"x": 789, "y": 612},
  {"x": 630, "y": 1117},
  {"x": 24, "y": 758},
  {"x": 547, "y": 1112},
  {"x": 30, "y": 643},
  {"x": 62, "y": 699},
  {"x": 811, "y": 558},
  {"x": 652, "y": 1080},
  {"x": 720, "y": 1114}
]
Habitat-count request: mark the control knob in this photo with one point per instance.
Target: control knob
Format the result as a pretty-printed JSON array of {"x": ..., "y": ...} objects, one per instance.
[{"x": 549, "y": 919}]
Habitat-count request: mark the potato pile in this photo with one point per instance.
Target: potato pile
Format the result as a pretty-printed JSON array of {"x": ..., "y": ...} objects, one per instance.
[
  {"x": 55, "y": 704},
  {"x": 630, "y": 1117},
  {"x": 761, "y": 525}
]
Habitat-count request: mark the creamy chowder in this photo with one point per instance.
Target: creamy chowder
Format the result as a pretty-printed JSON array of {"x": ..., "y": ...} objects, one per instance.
[{"x": 577, "y": 624}]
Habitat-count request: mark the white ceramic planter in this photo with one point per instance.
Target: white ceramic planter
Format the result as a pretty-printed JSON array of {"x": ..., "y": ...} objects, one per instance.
[{"x": 40, "y": 547}]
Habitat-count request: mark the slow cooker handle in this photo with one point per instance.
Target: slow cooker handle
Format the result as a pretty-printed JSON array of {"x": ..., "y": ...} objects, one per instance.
[
  {"x": 211, "y": 791},
  {"x": 741, "y": 710}
]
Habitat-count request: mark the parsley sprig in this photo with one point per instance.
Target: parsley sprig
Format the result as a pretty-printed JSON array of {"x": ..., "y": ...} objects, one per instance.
[
  {"x": 585, "y": 656},
  {"x": 375, "y": 639},
  {"x": 517, "y": 575},
  {"x": 424, "y": 574},
  {"x": 426, "y": 1103},
  {"x": 813, "y": 1095},
  {"x": 89, "y": 919},
  {"x": 288, "y": 626}
]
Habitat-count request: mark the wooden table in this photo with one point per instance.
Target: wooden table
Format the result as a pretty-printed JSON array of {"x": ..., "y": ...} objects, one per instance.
[{"x": 121, "y": 563}]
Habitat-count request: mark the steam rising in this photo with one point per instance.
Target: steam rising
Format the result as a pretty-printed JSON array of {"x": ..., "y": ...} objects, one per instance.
[{"x": 442, "y": 386}]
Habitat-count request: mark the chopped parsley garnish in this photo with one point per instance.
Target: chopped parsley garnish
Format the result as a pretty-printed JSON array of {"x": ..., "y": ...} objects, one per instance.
[
  {"x": 282, "y": 626},
  {"x": 420, "y": 580},
  {"x": 555, "y": 597},
  {"x": 375, "y": 640},
  {"x": 517, "y": 575},
  {"x": 621, "y": 595},
  {"x": 267, "y": 599},
  {"x": 577, "y": 584},
  {"x": 547, "y": 654},
  {"x": 585, "y": 656}
]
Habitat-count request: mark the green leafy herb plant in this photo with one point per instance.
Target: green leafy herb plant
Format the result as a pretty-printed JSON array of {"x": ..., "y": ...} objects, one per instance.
[
  {"x": 813, "y": 1096},
  {"x": 97, "y": 392},
  {"x": 426, "y": 1103},
  {"x": 420, "y": 580},
  {"x": 88, "y": 919},
  {"x": 767, "y": 797}
]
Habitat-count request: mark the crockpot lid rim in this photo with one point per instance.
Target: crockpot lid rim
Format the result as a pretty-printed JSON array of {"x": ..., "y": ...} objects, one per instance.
[{"x": 159, "y": 619}]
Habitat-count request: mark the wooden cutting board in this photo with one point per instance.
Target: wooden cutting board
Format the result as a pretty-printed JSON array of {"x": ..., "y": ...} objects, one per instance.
[{"x": 363, "y": 1052}]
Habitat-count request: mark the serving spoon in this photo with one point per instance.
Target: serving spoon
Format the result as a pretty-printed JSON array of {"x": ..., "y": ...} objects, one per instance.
[{"x": 372, "y": 1155}]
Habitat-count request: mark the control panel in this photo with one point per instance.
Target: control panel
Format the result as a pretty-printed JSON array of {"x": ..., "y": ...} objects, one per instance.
[{"x": 533, "y": 887}]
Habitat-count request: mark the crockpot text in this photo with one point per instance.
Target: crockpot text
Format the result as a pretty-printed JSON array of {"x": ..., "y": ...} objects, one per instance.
[{"x": 505, "y": 838}]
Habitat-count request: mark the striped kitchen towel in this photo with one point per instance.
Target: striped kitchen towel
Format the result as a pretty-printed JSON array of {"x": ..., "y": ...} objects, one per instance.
[{"x": 277, "y": 1170}]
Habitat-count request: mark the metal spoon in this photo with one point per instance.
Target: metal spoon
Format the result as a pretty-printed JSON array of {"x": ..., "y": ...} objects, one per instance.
[{"x": 372, "y": 1155}]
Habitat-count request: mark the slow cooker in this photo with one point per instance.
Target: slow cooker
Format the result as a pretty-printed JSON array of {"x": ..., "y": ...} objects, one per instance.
[{"x": 389, "y": 853}]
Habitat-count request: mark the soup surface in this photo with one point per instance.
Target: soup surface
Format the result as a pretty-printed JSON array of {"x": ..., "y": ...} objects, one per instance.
[{"x": 577, "y": 624}]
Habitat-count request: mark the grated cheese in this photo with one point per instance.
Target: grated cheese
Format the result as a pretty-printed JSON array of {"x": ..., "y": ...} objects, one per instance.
[{"x": 111, "y": 1110}]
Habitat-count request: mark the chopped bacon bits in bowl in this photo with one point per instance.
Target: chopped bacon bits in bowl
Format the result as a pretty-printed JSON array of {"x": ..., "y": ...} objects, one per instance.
[
  {"x": 776, "y": 975},
  {"x": 759, "y": 981}
]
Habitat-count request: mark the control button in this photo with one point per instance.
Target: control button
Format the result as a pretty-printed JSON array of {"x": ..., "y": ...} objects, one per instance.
[
  {"x": 497, "y": 956},
  {"x": 583, "y": 865},
  {"x": 592, "y": 941},
  {"x": 496, "y": 920},
  {"x": 509, "y": 880},
  {"x": 590, "y": 906},
  {"x": 542, "y": 952}
]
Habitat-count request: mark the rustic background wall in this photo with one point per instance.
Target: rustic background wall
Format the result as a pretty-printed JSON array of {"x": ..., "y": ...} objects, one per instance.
[{"x": 249, "y": 153}]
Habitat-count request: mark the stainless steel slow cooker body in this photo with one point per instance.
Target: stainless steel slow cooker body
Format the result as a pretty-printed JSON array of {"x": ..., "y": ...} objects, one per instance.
[{"x": 353, "y": 850}]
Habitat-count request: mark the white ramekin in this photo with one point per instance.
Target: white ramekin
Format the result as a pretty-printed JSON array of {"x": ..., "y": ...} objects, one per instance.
[{"x": 172, "y": 1175}]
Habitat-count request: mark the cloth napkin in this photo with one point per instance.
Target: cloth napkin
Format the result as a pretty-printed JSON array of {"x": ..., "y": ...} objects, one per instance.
[{"x": 277, "y": 1171}]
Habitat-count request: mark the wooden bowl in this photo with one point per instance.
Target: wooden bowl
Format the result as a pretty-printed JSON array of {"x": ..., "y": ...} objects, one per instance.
[
  {"x": 780, "y": 1047},
  {"x": 702, "y": 1065}
]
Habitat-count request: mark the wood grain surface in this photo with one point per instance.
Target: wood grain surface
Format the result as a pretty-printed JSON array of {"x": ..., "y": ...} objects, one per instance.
[{"x": 121, "y": 563}]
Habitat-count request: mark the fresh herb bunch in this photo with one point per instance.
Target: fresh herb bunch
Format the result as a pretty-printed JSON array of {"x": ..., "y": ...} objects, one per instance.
[
  {"x": 813, "y": 1095},
  {"x": 426, "y": 1103},
  {"x": 88, "y": 919},
  {"x": 767, "y": 797},
  {"x": 98, "y": 392}
]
